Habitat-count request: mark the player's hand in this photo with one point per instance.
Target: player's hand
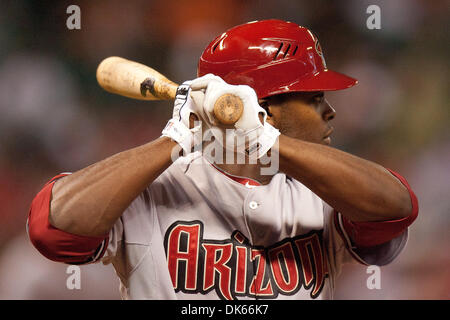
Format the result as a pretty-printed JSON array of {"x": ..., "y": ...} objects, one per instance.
[
  {"x": 251, "y": 132},
  {"x": 180, "y": 128}
]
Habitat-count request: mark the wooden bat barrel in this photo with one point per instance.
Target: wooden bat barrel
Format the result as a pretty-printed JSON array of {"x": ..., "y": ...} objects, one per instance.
[{"x": 137, "y": 81}]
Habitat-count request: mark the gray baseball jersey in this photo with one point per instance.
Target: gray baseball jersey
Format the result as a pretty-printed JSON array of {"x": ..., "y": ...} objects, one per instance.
[{"x": 195, "y": 233}]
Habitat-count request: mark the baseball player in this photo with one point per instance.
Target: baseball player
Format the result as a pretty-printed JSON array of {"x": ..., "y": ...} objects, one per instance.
[{"x": 205, "y": 227}]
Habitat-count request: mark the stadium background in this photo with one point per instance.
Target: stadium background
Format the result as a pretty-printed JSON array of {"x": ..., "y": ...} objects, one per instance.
[{"x": 55, "y": 118}]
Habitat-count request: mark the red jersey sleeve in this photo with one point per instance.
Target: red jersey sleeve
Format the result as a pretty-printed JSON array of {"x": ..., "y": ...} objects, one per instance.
[
  {"x": 56, "y": 244},
  {"x": 370, "y": 234}
]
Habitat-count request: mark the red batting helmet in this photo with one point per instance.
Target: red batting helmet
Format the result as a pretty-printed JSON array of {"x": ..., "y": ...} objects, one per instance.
[{"x": 272, "y": 57}]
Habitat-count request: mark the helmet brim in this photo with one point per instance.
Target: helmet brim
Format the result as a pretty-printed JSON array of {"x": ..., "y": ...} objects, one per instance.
[{"x": 326, "y": 80}]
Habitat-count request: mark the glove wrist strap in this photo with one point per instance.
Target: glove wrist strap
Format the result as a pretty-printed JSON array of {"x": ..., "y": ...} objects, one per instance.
[{"x": 178, "y": 132}]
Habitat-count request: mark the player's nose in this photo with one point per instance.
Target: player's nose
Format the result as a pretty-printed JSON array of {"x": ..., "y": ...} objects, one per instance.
[{"x": 328, "y": 113}]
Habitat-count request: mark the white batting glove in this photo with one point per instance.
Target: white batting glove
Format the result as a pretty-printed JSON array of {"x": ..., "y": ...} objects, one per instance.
[
  {"x": 250, "y": 135},
  {"x": 177, "y": 128}
]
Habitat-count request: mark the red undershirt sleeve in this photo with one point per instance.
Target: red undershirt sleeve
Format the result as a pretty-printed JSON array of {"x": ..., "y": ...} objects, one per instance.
[
  {"x": 370, "y": 234},
  {"x": 56, "y": 244}
]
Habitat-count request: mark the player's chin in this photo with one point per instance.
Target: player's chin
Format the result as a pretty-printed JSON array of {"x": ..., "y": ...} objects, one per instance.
[{"x": 326, "y": 139}]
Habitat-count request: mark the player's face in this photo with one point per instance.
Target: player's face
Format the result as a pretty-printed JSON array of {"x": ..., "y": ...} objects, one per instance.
[{"x": 303, "y": 115}]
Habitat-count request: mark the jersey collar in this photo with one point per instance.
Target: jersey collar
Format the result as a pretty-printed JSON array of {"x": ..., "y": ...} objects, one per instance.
[{"x": 249, "y": 183}]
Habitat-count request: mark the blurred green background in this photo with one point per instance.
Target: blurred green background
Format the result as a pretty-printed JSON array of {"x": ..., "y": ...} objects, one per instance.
[{"x": 55, "y": 118}]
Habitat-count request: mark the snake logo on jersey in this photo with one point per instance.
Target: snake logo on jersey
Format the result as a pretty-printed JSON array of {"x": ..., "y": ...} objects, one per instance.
[{"x": 234, "y": 268}]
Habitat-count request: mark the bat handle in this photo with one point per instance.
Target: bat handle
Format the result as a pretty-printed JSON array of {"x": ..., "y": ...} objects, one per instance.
[{"x": 228, "y": 109}]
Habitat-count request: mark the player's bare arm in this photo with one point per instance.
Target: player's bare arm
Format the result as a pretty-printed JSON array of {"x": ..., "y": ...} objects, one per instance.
[
  {"x": 89, "y": 201},
  {"x": 359, "y": 189}
]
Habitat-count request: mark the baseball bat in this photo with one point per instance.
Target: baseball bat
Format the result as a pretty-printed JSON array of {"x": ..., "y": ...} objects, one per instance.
[{"x": 135, "y": 80}]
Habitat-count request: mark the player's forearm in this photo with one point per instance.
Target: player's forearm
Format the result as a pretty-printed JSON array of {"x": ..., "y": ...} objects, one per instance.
[
  {"x": 359, "y": 189},
  {"x": 89, "y": 202}
]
